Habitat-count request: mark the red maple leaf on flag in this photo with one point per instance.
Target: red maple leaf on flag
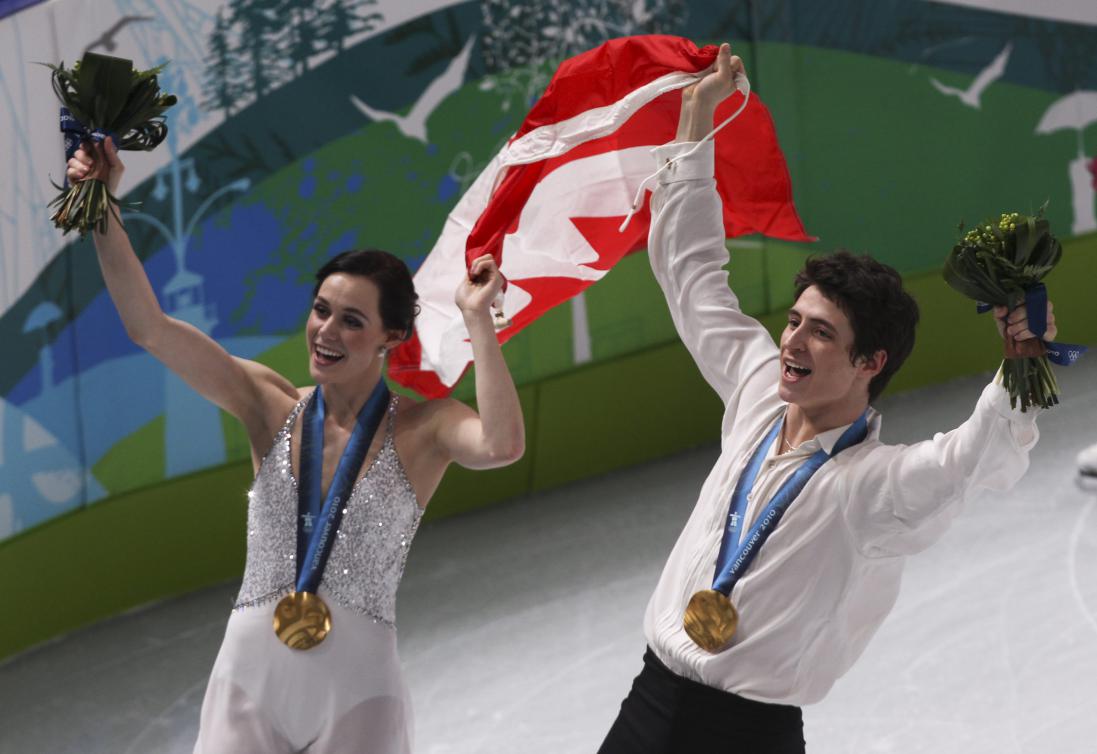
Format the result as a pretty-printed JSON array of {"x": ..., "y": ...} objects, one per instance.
[{"x": 548, "y": 207}]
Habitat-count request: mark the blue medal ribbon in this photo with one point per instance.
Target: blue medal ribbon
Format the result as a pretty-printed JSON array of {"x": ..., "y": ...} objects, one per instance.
[
  {"x": 316, "y": 523},
  {"x": 1063, "y": 354},
  {"x": 735, "y": 558}
]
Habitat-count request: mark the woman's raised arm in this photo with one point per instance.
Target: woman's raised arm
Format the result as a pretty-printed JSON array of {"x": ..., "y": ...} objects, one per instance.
[
  {"x": 495, "y": 435},
  {"x": 245, "y": 389}
]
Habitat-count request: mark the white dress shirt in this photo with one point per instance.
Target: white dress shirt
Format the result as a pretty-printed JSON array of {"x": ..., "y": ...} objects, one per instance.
[{"x": 823, "y": 582}]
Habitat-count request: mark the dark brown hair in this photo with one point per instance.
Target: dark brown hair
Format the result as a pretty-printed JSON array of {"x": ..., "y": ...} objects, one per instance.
[
  {"x": 391, "y": 276},
  {"x": 871, "y": 295}
]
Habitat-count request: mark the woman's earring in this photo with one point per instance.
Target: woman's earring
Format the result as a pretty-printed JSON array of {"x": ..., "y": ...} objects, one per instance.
[{"x": 382, "y": 352}]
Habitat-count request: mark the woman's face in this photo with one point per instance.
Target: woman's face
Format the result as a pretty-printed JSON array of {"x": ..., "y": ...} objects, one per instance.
[{"x": 344, "y": 329}]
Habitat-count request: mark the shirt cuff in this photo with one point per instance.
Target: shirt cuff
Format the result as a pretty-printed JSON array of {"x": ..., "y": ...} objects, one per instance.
[
  {"x": 689, "y": 161},
  {"x": 998, "y": 398},
  {"x": 1022, "y": 425}
]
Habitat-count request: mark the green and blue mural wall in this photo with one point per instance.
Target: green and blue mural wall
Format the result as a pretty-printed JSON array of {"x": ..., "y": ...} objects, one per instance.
[{"x": 306, "y": 128}]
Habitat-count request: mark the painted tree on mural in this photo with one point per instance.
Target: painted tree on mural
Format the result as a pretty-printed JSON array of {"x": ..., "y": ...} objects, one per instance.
[
  {"x": 443, "y": 37},
  {"x": 524, "y": 41},
  {"x": 252, "y": 48},
  {"x": 257, "y": 22},
  {"x": 221, "y": 85},
  {"x": 524, "y": 33},
  {"x": 344, "y": 18},
  {"x": 302, "y": 34}
]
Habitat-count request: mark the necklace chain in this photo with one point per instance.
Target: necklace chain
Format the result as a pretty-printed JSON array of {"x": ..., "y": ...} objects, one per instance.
[{"x": 784, "y": 439}]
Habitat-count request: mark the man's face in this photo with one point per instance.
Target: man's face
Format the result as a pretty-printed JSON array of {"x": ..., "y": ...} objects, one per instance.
[{"x": 816, "y": 373}]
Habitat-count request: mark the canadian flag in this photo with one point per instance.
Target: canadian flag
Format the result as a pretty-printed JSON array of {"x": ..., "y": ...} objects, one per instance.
[{"x": 548, "y": 207}]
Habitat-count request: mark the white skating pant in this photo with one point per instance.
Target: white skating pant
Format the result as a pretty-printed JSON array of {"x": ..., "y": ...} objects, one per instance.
[{"x": 345, "y": 696}]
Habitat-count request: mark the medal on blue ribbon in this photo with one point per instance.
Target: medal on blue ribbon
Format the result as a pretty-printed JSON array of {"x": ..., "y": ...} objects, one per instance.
[
  {"x": 301, "y": 619},
  {"x": 710, "y": 619}
]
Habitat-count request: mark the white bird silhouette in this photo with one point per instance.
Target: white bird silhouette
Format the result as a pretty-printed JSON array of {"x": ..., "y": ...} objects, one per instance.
[
  {"x": 640, "y": 13},
  {"x": 972, "y": 95},
  {"x": 414, "y": 124}
]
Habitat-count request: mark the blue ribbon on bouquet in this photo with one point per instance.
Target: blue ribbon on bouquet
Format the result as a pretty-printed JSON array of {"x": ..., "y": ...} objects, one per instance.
[
  {"x": 76, "y": 133},
  {"x": 1063, "y": 354}
]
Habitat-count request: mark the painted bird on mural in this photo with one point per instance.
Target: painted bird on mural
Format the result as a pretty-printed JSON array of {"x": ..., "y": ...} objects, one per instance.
[
  {"x": 414, "y": 124},
  {"x": 973, "y": 94},
  {"x": 106, "y": 39}
]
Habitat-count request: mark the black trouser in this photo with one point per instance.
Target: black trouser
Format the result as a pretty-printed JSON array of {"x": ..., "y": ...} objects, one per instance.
[{"x": 667, "y": 714}]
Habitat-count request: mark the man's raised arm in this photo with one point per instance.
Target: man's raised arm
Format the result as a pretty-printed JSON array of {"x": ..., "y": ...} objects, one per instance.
[
  {"x": 688, "y": 253},
  {"x": 902, "y": 502}
]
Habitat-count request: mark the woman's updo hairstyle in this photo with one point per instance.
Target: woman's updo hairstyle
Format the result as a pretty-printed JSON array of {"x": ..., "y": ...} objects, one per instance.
[{"x": 389, "y": 274}]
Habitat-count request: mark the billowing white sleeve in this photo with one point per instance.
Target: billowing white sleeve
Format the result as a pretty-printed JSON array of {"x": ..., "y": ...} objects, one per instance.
[
  {"x": 686, "y": 247},
  {"x": 901, "y": 498}
]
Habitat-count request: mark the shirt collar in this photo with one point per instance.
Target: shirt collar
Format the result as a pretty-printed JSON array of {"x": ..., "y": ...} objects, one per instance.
[{"x": 828, "y": 439}]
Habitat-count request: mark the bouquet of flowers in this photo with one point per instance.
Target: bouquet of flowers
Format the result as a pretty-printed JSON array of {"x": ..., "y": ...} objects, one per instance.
[
  {"x": 1001, "y": 264},
  {"x": 104, "y": 96}
]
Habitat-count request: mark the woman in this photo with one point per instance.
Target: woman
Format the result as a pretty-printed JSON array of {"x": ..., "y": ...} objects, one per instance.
[{"x": 323, "y": 565}]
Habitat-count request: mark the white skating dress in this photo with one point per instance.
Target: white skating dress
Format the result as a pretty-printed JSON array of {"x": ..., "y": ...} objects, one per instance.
[{"x": 347, "y": 694}]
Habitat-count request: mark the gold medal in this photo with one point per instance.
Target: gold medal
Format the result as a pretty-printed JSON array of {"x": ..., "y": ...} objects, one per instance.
[
  {"x": 710, "y": 620},
  {"x": 301, "y": 620}
]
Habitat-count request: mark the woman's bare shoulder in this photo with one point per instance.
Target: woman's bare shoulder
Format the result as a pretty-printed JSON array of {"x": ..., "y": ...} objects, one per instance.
[{"x": 411, "y": 410}]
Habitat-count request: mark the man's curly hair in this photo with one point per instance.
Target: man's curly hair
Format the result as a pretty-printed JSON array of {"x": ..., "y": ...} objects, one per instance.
[{"x": 871, "y": 295}]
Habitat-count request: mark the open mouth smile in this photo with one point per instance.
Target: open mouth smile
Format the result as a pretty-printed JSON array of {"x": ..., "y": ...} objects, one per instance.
[
  {"x": 794, "y": 372},
  {"x": 326, "y": 356}
]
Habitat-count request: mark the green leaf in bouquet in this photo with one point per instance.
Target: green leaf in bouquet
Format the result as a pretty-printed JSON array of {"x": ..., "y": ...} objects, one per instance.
[
  {"x": 1047, "y": 249},
  {"x": 64, "y": 86},
  {"x": 148, "y": 73},
  {"x": 1055, "y": 253},
  {"x": 141, "y": 120},
  {"x": 98, "y": 109},
  {"x": 81, "y": 88},
  {"x": 958, "y": 275},
  {"x": 1035, "y": 274},
  {"x": 1009, "y": 247},
  {"x": 1009, "y": 277},
  {"x": 84, "y": 74},
  {"x": 141, "y": 96},
  {"x": 147, "y": 135},
  {"x": 107, "y": 80},
  {"x": 981, "y": 277},
  {"x": 1026, "y": 240}
]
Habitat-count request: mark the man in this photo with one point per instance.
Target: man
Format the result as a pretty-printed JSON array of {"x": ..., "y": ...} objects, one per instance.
[{"x": 828, "y": 574}]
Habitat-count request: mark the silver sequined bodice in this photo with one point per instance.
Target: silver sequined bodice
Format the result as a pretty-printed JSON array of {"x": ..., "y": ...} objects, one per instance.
[{"x": 371, "y": 545}]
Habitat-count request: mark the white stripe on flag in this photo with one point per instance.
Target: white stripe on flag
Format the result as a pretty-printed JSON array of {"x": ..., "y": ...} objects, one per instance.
[{"x": 555, "y": 139}]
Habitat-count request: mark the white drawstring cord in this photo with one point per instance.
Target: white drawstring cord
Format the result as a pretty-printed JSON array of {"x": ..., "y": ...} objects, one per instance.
[{"x": 742, "y": 83}]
